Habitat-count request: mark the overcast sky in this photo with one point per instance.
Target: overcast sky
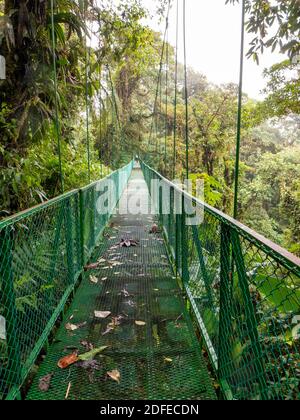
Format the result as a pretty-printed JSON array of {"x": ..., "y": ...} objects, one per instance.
[{"x": 213, "y": 42}]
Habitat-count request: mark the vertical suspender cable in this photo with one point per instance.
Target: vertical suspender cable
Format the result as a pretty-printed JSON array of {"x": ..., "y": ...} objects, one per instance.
[
  {"x": 57, "y": 124},
  {"x": 100, "y": 120},
  {"x": 87, "y": 101},
  {"x": 160, "y": 109},
  {"x": 159, "y": 74},
  {"x": 112, "y": 119},
  {"x": 239, "y": 117},
  {"x": 186, "y": 95},
  {"x": 175, "y": 96},
  {"x": 100, "y": 103},
  {"x": 167, "y": 83},
  {"x": 115, "y": 112}
]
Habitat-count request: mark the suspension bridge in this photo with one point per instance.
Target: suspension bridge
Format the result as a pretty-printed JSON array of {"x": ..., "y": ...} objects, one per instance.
[{"x": 101, "y": 304}]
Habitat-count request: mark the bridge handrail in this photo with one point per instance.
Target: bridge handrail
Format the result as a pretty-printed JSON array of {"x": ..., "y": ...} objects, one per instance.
[
  {"x": 244, "y": 292},
  {"x": 288, "y": 259},
  {"x": 43, "y": 251}
]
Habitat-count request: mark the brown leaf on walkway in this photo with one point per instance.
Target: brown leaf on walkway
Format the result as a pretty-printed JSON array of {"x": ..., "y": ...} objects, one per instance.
[
  {"x": 124, "y": 293},
  {"x": 87, "y": 345},
  {"x": 44, "y": 382},
  {"x": 114, "y": 375},
  {"x": 89, "y": 364},
  {"x": 71, "y": 327},
  {"x": 67, "y": 361},
  {"x": 108, "y": 330},
  {"x": 68, "y": 391},
  {"x": 91, "y": 266},
  {"x": 126, "y": 243},
  {"x": 101, "y": 314},
  {"x": 140, "y": 323},
  {"x": 116, "y": 321},
  {"x": 93, "y": 279},
  {"x": 74, "y": 327},
  {"x": 154, "y": 229}
]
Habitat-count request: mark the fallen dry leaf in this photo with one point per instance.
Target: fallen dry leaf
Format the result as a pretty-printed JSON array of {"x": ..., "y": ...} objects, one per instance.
[
  {"x": 87, "y": 345},
  {"x": 124, "y": 293},
  {"x": 74, "y": 327},
  {"x": 44, "y": 382},
  {"x": 71, "y": 327},
  {"x": 102, "y": 314},
  {"x": 168, "y": 360},
  {"x": 108, "y": 330},
  {"x": 67, "y": 361},
  {"x": 126, "y": 243},
  {"x": 114, "y": 375},
  {"x": 140, "y": 323},
  {"x": 68, "y": 391},
  {"x": 91, "y": 266},
  {"x": 154, "y": 229},
  {"x": 93, "y": 279},
  {"x": 89, "y": 365}
]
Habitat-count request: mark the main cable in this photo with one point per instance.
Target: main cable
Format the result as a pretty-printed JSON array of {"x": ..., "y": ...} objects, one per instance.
[
  {"x": 175, "y": 96},
  {"x": 186, "y": 94}
]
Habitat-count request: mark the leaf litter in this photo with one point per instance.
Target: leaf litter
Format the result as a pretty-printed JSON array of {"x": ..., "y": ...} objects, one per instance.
[
  {"x": 73, "y": 327},
  {"x": 102, "y": 314},
  {"x": 45, "y": 382},
  {"x": 126, "y": 243},
  {"x": 73, "y": 358},
  {"x": 140, "y": 323},
  {"x": 115, "y": 375}
]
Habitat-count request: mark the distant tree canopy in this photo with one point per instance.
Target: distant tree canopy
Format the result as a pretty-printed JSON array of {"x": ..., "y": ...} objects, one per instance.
[{"x": 107, "y": 66}]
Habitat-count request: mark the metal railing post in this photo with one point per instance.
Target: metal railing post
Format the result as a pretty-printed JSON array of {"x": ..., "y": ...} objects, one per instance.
[
  {"x": 13, "y": 368},
  {"x": 81, "y": 224},
  {"x": 184, "y": 244},
  {"x": 225, "y": 324},
  {"x": 69, "y": 240}
]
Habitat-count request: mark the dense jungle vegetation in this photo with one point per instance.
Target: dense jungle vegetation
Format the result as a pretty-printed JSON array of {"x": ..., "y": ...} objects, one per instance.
[{"x": 107, "y": 65}]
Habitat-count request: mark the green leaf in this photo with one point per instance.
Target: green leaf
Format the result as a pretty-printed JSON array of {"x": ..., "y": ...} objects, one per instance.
[
  {"x": 91, "y": 354},
  {"x": 278, "y": 293}
]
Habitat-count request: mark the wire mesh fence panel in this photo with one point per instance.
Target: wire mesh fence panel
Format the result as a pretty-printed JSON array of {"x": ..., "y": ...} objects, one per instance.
[
  {"x": 245, "y": 293},
  {"x": 41, "y": 257},
  {"x": 38, "y": 266}
]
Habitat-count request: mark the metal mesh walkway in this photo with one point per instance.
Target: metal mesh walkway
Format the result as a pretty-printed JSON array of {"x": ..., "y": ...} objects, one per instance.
[{"x": 149, "y": 335}]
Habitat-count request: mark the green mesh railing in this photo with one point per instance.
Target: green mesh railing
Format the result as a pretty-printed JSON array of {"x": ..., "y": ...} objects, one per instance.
[
  {"x": 245, "y": 294},
  {"x": 42, "y": 254}
]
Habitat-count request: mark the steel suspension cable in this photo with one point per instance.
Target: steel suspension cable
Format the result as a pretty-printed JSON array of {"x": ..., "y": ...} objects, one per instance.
[
  {"x": 100, "y": 103},
  {"x": 160, "y": 72},
  {"x": 175, "y": 95},
  {"x": 100, "y": 120},
  {"x": 186, "y": 94},
  {"x": 239, "y": 115},
  {"x": 87, "y": 110},
  {"x": 114, "y": 102},
  {"x": 57, "y": 124},
  {"x": 166, "y": 108}
]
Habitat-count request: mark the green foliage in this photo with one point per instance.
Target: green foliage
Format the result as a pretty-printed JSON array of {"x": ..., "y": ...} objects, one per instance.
[
  {"x": 273, "y": 24},
  {"x": 283, "y": 89},
  {"x": 212, "y": 188}
]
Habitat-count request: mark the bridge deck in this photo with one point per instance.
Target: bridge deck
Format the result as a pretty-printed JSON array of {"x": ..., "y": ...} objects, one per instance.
[{"x": 152, "y": 343}]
